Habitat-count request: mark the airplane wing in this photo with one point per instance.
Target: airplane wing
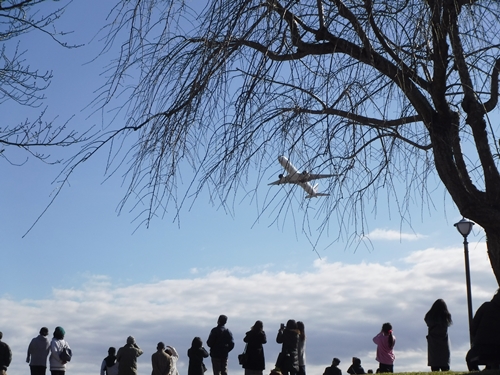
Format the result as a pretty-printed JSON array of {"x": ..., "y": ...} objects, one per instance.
[
  {"x": 288, "y": 179},
  {"x": 276, "y": 182},
  {"x": 299, "y": 178},
  {"x": 311, "y": 177}
]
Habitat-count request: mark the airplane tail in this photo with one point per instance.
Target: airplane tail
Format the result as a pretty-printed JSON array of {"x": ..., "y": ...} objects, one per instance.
[{"x": 316, "y": 194}]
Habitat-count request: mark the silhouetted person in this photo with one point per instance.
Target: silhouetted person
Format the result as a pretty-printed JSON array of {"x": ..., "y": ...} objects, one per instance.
[
  {"x": 333, "y": 369},
  {"x": 196, "y": 353},
  {"x": 161, "y": 361},
  {"x": 288, "y": 359},
  {"x": 438, "y": 319},
  {"x": 127, "y": 357},
  {"x": 38, "y": 351},
  {"x": 109, "y": 365},
  {"x": 485, "y": 333},
  {"x": 220, "y": 341},
  {"x": 356, "y": 367},
  {"x": 254, "y": 339},
  {"x": 385, "y": 341},
  {"x": 5, "y": 355}
]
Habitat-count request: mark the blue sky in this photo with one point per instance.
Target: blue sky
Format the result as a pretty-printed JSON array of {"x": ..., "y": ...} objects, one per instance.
[{"x": 104, "y": 275}]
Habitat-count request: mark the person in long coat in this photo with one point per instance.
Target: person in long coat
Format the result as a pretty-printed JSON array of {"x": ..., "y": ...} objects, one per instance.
[
  {"x": 255, "y": 338},
  {"x": 438, "y": 319},
  {"x": 288, "y": 359},
  {"x": 196, "y": 353},
  {"x": 127, "y": 357},
  {"x": 485, "y": 333}
]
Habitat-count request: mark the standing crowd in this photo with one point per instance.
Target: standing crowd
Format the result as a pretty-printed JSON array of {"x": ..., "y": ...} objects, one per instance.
[
  {"x": 38, "y": 350},
  {"x": 484, "y": 331}
]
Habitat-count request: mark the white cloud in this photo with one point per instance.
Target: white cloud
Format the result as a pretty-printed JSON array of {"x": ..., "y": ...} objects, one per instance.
[
  {"x": 393, "y": 235},
  {"x": 343, "y": 307}
]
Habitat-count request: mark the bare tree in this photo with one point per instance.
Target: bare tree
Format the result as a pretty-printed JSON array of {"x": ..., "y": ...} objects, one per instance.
[
  {"x": 21, "y": 83},
  {"x": 382, "y": 93}
]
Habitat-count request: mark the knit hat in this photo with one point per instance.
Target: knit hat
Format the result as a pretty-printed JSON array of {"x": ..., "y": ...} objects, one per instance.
[
  {"x": 130, "y": 340},
  {"x": 59, "y": 333}
]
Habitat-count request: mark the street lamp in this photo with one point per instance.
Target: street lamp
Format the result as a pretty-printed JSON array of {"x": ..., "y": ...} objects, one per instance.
[{"x": 464, "y": 226}]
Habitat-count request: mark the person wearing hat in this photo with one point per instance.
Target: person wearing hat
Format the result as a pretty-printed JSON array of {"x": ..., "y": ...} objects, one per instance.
[
  {"x": 57, "y": 345},
  {"x": 38, "y": 351},
  {"x": 127, "y": 357},
  {"x": 161, "y": 361},
  {"x": 5, "y": 356},
  {"x": 333, "y": 369}
]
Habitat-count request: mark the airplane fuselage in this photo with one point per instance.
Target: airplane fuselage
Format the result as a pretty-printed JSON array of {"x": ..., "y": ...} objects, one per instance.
[{"x": 298, "y": 178}]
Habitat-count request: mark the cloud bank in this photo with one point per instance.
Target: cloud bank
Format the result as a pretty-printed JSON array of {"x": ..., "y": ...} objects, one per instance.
[
  {"x": 342, "y": 305},
  {"x": 393, "y": 235}
]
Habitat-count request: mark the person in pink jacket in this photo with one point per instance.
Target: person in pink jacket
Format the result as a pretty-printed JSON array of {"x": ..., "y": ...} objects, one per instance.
[{"x": 385, "y": 341}]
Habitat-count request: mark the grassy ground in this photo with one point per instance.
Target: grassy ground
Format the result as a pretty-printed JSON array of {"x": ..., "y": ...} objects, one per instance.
[{"x": 485, "y": 372}]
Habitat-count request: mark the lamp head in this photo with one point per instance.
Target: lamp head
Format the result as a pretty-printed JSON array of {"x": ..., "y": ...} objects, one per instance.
[{"x": 464, "y": 226}]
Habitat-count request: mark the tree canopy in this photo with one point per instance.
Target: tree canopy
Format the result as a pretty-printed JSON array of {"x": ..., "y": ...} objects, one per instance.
[{"x": 383, "y": 94}]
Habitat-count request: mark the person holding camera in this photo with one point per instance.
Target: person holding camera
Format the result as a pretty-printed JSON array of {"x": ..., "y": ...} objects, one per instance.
[
  {"x": 288, "y": 359},
  {"x": 127, "y": 357}
]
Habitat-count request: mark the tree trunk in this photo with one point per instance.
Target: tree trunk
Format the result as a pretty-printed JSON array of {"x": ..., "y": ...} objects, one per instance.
[{"x": 493, "y": 244}]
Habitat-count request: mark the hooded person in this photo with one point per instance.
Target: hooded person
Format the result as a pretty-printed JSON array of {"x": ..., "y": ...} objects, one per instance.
[
  {"x": 109, "y": 365},
  {"x": 127, "y": 357},
  {"x": 57, "y": 346},
  {"x": 356, "y": 367}
]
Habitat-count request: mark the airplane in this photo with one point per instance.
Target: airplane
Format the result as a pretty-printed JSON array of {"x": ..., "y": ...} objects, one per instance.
[{"x": 301, "y": 179}]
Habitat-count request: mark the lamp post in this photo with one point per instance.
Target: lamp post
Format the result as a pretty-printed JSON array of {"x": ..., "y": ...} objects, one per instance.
[{"x": 464, "y": 226}]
